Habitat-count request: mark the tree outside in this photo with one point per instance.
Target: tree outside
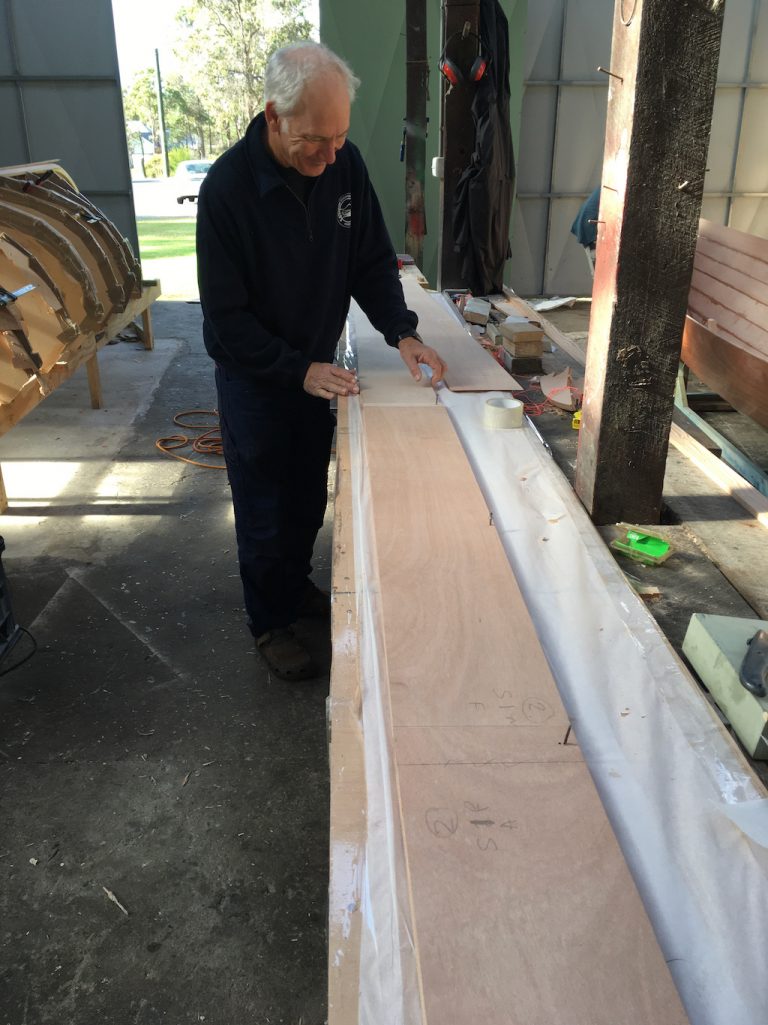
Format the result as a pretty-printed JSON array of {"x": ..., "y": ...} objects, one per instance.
[{"x": 223, "y": 46}]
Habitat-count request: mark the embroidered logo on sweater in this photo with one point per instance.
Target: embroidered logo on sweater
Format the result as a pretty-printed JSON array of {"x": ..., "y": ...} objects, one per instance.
[{"x": 344, "y": 210}]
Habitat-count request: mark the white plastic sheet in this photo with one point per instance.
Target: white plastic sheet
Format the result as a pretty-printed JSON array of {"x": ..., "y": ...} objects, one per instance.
[
  {"x": 689, "y": 819},
  {"x": 692, "y": 825},
  {"x": 389, "y": 989}
]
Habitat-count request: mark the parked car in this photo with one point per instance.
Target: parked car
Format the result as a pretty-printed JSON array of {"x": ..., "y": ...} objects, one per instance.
[{"x": 187, "y": 178}]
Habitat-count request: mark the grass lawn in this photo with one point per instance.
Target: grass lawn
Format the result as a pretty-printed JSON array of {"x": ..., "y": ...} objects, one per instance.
[
  {"x": 167, "y": 250},
  {"x": 159, "y": 239}
]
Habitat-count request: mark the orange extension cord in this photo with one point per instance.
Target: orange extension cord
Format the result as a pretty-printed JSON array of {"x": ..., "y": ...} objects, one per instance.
[{"x": 206, "y": 443}]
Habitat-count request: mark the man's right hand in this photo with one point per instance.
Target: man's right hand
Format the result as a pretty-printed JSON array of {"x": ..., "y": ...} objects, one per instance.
[{"x": 325, "y": 380}]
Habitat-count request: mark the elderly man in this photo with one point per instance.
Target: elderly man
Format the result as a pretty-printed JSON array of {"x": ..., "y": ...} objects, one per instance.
[{"x": 288, "y": 230}]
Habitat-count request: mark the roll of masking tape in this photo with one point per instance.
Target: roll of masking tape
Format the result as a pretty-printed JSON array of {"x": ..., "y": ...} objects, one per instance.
[{"x": 501, "y": 414}]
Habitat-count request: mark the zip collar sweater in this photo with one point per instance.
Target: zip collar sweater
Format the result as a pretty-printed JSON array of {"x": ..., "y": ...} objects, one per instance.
[{"x": 276, "y": 275}]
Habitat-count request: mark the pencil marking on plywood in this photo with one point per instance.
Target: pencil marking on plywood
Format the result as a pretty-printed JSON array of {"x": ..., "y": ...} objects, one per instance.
[
  {"x": 441, "y": 822},
  {"x": 537, "y": 711},
  {"x": 486, "y": 845}
]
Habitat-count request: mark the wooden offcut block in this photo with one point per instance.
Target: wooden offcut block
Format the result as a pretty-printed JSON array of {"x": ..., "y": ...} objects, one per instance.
[
  {"x": 477, "y": 311},
  {"x": 524, "y": 348},
  {"x": 516, "y": 329}
]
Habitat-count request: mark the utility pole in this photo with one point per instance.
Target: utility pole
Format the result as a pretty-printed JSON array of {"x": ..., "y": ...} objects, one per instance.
[
  {"x": 457, "y": 133},
  {"x": 416, "y": 89},
  {"x": 161, "y": 115}
]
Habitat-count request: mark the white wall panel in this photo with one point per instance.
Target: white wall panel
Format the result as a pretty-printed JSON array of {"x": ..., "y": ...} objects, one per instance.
[{"x": 537, "y": 133}]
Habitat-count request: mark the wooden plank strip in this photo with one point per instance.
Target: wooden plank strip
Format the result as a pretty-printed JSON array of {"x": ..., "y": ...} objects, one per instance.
[
  {"x": 470, "y": 367},
  {"x": 730, "y": 284},
  {"x": 722, "y": 475},
  {"x": 736, "y": 373},
  {"x": 346, "y": 756},
  {"x": 740, "y": 242},
  {"x": 507, "y": 932},
  {"x": 721, "y": 298}
]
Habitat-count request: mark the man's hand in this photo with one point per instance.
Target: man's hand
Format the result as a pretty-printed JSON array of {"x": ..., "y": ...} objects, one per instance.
[
  {"x": 414, "y": 352},
  {"x": 326, "y": 381}
]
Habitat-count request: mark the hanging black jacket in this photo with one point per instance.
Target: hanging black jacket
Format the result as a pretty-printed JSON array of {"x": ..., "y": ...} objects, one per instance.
[
  {"x": 483, "y": 199},
  {"x": 276, "y": 275}
]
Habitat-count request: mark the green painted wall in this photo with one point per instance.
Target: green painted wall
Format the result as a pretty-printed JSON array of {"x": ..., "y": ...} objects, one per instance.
[{"x": 371, "y": 37}]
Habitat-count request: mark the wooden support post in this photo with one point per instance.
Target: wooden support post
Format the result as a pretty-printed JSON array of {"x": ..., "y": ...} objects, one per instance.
[
  {"x": 146, "y": 328},
  {"x": 3, "y": 494},
  {"x": 94, "y": 381},
  {"x": 661, "y": 91},
  {"x": 457, "y": 132}
]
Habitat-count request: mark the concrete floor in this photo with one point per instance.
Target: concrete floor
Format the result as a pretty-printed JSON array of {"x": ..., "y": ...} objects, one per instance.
[{"x": 144, "y": 750}]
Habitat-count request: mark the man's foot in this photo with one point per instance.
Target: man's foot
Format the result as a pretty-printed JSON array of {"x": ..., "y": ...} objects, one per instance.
[
  {"x": 286, "y": 657},
  {"x": 314, "y": 604}
]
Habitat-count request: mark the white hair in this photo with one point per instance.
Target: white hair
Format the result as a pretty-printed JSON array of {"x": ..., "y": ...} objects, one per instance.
[{"x": 291, "y": 69}]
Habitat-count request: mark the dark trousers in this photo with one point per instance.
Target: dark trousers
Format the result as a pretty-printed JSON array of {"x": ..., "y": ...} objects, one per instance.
[{"x": 277, "y": 448}]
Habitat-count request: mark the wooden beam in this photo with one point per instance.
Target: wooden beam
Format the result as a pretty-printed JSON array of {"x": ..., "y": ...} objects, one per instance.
[
  {"x": 457, "y": 134},
  {"x": 94, "y": 381},
  {"x": 346, "y": 757},
  {"x": 661, "y": 91},
  {"x": 722, "y": 475}
]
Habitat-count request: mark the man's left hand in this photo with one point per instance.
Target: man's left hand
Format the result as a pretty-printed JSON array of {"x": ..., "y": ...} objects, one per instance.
[{"x": 414, "y": 352}]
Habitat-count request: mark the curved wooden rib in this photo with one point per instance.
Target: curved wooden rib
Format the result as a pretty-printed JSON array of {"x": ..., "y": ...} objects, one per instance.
[
  {"x": 115, "y": 244},
  {"x": 63, "y": 262},
  {"x": 111, "y": 291},
  {"x": 45, "y": 167},
  {"x": 23, "y": 259},
  {"x": 18, "y": 360},
  {"x": 48, "y": 328}
]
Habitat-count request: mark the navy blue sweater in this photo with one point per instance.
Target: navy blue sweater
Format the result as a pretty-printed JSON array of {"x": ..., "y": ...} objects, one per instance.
[{"x": 276, "y": 275}]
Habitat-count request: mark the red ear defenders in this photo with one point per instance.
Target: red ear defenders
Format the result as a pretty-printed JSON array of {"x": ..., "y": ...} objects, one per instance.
[{"x": 451, "y": 70}]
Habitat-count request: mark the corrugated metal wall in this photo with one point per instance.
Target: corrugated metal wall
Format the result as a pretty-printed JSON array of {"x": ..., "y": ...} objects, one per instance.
[
  {"x": 563, "y": 126},
  {"x": 372, "y": 38},
  {"x": 60, "y": 96}
]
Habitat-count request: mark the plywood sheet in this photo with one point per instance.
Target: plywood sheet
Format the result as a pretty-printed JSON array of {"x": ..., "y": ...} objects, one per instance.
[
  {"x": 470, "y": 367},
  {"x": 525, "y": 912}
]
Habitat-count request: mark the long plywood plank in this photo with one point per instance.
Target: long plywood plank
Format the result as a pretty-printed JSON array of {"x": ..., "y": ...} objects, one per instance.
[
  {"x": 726, "y": 479},
  {"x": 525, "y": 912},
  {"x": 470, "y": 367}
]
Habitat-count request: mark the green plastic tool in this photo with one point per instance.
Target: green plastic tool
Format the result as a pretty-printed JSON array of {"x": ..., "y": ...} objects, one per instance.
[{"x": 646, "y": 548}]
